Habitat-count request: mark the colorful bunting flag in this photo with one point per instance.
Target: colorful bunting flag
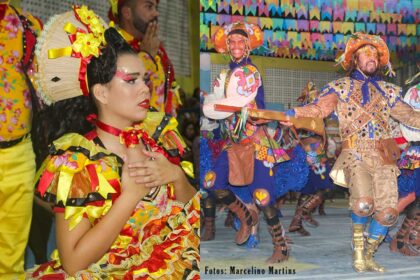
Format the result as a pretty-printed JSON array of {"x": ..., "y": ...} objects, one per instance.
[{"x": 315, "y": 29}]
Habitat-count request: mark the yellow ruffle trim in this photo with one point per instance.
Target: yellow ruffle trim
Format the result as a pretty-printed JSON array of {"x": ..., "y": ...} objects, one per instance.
[{"x": 64, "y": 166}]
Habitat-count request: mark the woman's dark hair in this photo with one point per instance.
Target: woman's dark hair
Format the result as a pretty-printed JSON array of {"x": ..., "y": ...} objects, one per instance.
[
  {"x": 69, "y": 115},
  {"x": 102, "y": 69}
]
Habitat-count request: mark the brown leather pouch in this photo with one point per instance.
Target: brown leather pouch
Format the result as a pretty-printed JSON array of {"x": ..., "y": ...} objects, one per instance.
[
  {"x": 389, "y": 151},
  {"x": 241, "y": 164}
]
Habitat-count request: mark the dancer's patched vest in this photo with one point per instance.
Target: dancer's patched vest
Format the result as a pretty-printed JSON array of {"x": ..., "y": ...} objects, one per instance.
[{"x": 364, "y": 122}]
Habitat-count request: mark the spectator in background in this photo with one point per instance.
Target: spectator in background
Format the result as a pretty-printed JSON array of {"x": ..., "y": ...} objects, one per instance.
[
  {"x": 189, "y": 131},
  {"x": 17, "y": 160},
  {"x": 138, "y": 24}
]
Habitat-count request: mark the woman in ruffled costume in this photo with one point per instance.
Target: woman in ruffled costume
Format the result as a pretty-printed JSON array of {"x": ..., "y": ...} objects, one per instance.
[
  {"x": 124, "y": 207},
  {"x": 407, "y": 239}
]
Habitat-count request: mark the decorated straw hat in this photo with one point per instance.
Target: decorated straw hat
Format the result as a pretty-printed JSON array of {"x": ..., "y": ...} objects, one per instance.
[
  {"x": 115, "y": 8},
  {"x": 251, "y": 31},
  {"x": 236, "y": 88},
  {"x": 358, "y": 40},
  {"x": 64, "y": 49}
]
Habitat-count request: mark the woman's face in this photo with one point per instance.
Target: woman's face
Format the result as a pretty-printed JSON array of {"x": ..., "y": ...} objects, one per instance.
[{"x": 127, "y": 96}]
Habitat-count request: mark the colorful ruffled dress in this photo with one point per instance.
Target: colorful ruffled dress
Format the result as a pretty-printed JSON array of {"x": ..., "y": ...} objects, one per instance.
[{"x": 161, "y": 238}]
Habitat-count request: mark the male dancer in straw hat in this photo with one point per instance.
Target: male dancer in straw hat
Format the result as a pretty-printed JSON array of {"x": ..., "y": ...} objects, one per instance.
[
  {"x": 17, "y": 160},
  {"x": 138, "y": 24},
  {"x": 242, "y": 87},
  {"x": 367, "y": 164}
]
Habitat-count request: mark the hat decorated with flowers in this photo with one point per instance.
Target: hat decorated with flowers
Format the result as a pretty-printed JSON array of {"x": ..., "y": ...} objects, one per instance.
[
  {"x": 358, "y": 40},
  {"x": 63, "y": 51},
  {"x": 251, "y": 31}
]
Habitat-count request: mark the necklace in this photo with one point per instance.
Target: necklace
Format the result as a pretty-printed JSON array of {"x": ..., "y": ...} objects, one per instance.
[{"x": 131, "y": 136}]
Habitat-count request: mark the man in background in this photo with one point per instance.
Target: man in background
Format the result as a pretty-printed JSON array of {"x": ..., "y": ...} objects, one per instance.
[
  {"x": 138, "y": 24},
  {"x": 17, "y": 165}
]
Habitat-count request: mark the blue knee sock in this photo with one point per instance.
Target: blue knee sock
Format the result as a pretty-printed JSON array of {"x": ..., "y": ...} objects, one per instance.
[
  {"x": 376, "y": 230},
  {"x": 358, "y": 219}
]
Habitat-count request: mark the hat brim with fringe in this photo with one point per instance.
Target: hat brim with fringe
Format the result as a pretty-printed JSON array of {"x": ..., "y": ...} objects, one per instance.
[
  {"x": 61, "y": 74},
  {"x": 253, "y": 32},
  {"x": 358, "y": 40}
]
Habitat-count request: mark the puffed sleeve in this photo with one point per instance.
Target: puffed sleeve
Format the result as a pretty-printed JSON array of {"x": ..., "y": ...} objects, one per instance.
[{"x": 80, "y": 178}]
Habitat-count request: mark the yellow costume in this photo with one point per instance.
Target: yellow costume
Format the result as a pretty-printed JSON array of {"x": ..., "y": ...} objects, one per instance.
[
  {"x": 159, "y": 241},
  {"x": 17, "y": 160}
]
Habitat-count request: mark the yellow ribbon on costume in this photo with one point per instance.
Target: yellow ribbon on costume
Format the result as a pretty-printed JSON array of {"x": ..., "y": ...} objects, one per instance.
[
  {"x": 85, "y": 44},
  {"x": 188, "y": 168},
  {"x": 75, "y": 213},
  {"x": 153, "y": 120},
  {"x": 172, "y": 125},
  {"x": 49, "y": 270},
  {"x": 55, "y": 256},
  {"x": 104, "y": 187},
  {"x": 63, "y": 188},
  {"x": 55, "y": 53},
  {"x": 195, "y": 201},
  {"x": 70, "y": 28},
  {"x": 67, "y": 51}
]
